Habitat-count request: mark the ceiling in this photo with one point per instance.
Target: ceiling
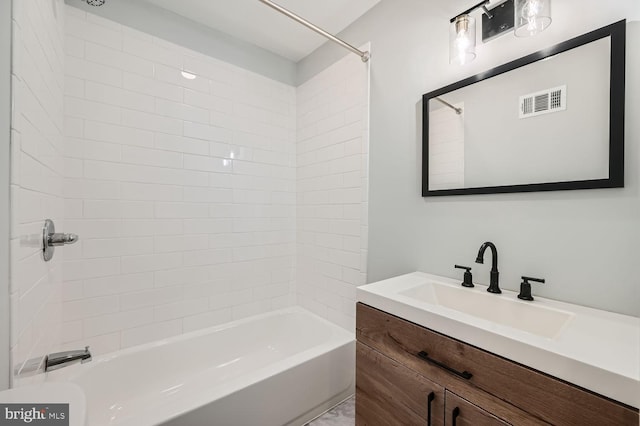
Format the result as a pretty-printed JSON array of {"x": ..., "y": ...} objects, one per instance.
[{"x": 256, "y": 23}]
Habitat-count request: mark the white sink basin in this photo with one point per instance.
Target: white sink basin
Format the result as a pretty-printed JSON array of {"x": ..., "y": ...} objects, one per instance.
[{"x": 525, "y": 316}]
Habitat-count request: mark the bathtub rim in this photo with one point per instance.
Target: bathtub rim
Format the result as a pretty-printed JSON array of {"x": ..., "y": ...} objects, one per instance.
[
  {"x": 340, "y": 337},
  {"x": 207, "y": 330}
]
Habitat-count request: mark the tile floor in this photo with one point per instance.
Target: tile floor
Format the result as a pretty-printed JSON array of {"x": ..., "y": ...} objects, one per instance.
[{"x": 340, "y": 415}]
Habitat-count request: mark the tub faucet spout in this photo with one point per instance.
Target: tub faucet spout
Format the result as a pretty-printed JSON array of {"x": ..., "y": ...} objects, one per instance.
[{"x": 62, "y": 359}]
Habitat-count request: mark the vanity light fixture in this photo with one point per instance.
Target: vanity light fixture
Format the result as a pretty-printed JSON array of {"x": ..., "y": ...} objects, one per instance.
[
  {"x": 462, "y": 40},
  {"x": 525, "y": 17},
  {"x": 462, "y": 35},
  {"x": 531, "y": 17}
]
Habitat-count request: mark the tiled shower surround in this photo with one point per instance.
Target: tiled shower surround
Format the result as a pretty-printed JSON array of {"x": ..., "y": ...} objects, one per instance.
[
  {"x": 197, "y": 187},
  {"x": 332, "y": 158},
  {"x": 37, "y": 167},
  {"x": 180, "y": 180}
]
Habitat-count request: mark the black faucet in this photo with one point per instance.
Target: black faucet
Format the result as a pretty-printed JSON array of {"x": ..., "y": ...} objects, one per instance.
[{"x": 493, "y": 282}]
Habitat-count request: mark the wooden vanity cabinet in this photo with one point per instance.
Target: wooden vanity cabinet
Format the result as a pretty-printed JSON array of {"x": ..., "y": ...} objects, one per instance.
[
  {"x": 395, "y": 355},
  {"x": 390, "y": 393},
  {"x": 460, "y": 412}
]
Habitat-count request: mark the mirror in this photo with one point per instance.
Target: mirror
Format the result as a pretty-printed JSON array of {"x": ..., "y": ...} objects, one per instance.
[{"x": 552, "y": 120}]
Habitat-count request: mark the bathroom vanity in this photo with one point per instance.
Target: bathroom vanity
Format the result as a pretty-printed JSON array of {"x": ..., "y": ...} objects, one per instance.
[{"x": 422, "y": 358}]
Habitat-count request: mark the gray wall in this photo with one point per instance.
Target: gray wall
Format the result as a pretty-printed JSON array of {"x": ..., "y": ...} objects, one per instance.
[
  {"x": 5, "y": 154},
  {"x": 179, "y": 30},
  {"x": 585, "y": 243}
]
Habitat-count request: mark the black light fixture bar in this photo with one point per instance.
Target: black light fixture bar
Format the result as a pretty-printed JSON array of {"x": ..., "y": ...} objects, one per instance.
[{"x": 500, "y": 22}]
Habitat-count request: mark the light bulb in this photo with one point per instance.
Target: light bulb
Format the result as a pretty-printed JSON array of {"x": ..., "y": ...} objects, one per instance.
[
  {"x": 530, "y": 13},
  {"x": 462, "y": 40},
  {"x": 532, "y": 17}
]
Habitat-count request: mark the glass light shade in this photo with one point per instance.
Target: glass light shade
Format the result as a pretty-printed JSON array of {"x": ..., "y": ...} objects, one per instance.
[
  {"x": 531, "y": 17},
  {"x": 462, "y": 40}
]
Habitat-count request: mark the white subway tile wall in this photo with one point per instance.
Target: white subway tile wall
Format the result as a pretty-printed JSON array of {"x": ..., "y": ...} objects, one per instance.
[
  {"x": 195, "y": 199},
  {"x": 332, "y": 187},
  {"x": 182, "y": 190},
  {"x": 37, "y": 150}
]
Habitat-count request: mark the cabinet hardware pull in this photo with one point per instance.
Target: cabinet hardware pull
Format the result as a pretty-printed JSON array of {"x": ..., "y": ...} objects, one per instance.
[
  {"x": 430, "y": 399},
  {"x": 464, "y": 374},
  {"x": 454, "y": 416}
]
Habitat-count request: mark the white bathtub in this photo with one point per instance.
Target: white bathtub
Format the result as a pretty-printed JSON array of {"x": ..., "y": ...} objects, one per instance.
[{"x": 281, "y": 368}]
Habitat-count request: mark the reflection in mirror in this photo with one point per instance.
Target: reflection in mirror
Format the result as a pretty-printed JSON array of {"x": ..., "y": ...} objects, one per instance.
[{"x": 551, "y": 120}]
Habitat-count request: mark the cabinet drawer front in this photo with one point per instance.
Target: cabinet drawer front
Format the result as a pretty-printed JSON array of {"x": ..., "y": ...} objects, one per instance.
[
  {"x": 460, "y": 412},
  {"x": 543, "y": 396},
  {"x": 388, "y": 393}
]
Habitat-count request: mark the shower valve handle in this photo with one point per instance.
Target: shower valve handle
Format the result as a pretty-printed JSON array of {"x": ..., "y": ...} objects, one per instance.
[
  {"x": 61, "y": 239},
  {"x": 51, "y": 239}
]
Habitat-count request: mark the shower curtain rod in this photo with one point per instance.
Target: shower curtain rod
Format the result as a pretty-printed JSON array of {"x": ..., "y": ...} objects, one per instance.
[
  {"x": 457, "y": 110},
  {"x": 363, "y": 55}
]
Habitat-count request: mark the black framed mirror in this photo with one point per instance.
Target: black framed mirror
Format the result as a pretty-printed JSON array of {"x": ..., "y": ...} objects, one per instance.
[{"x": 552, "y": 120}]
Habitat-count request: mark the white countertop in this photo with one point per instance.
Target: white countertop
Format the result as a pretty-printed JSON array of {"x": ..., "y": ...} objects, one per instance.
[{"x": 597, "y": 350}]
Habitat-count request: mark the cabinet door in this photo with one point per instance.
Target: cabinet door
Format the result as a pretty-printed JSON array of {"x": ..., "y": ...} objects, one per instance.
[
  {"x": 460, "y": 412},
  {"x": 387, "y": 393}
]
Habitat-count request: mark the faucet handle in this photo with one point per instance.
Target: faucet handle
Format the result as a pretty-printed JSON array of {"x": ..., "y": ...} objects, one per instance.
[
  {"x": 468, "y": 278},
  {"x": 525, "y": 287}
]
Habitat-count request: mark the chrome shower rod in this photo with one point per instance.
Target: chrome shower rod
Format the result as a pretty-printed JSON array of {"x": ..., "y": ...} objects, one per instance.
[
  {"x": 363, "y": 55},
  {"x": 457, "y": 110}
]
